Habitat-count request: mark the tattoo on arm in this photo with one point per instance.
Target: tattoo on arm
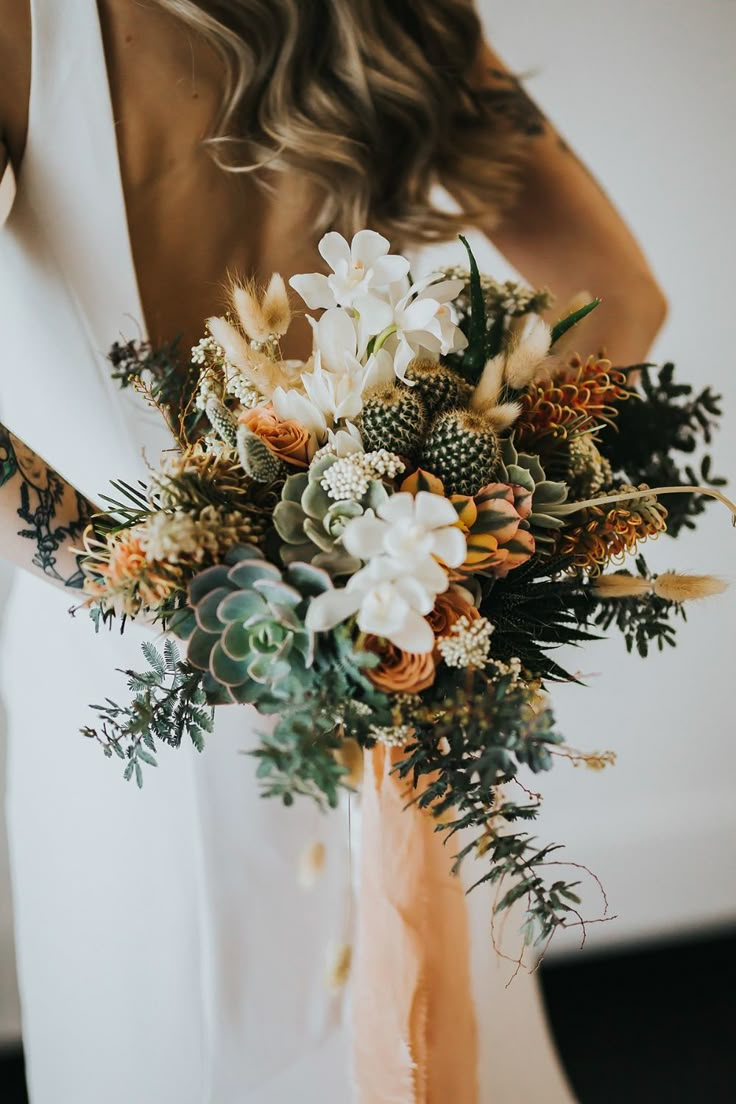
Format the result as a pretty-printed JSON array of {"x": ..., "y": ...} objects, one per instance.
[
  {"x": 508, "y": 98},
  {"x": 42, "y": 496}
]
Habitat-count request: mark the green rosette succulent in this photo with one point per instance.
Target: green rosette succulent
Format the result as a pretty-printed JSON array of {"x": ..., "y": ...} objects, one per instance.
[
  {"x": 246, "y": 630},
  {"x": 311, "y": 522},
  {"x": 522, "y": 470}
]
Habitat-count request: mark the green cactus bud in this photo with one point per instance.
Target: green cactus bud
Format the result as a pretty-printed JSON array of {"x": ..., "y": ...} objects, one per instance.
[
  {"x": 439, "y": 387},
  {"x": 394, "y": 418},
  {"x": 463, "y": 450}
]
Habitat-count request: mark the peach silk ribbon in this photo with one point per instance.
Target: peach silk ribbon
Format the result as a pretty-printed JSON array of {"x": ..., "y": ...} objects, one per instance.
[{"x": 415, "y": 1038}]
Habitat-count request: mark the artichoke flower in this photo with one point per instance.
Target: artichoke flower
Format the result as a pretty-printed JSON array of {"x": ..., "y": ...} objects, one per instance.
[
  {"x": 248, "y": 627},
  {"x": 311, "y": 522}
]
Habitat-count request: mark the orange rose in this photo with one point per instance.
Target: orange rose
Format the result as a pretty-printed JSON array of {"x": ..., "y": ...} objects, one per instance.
[
  {"x": 399, "y": 672},
  {"x": 449, "y": 608},
  {"x": 286, "y": 439}
]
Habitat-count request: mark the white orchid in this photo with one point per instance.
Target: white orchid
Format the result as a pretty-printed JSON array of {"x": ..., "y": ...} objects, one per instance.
[
  {"x": 361, "y": 271},
  {"x": 345, "y": 441},
  {"x": 387, "y": 604},
  {"x": 425, "y": 321},
  {"x": 336, "y": 394}
]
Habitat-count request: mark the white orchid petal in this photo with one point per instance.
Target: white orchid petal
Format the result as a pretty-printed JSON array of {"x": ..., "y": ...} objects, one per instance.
[
  {"x": 382, "y": 611},
  {"x": 450, "y": 545},
  {"x": 418, "y": 315},
  {"x": 389, "y": 270},
  {"x": 375, "y": 315},
  {"x": 335, "y": 250},
  {"x": 403, "y": 357},
  {"x": 433, "y": 510},
  {"x": 292, "y": 405},
  {"x": 397, "y": 509},
  {"x": 430, "y": 575},
  {"x": 335, "y": 336},
  {"x": 363, "y": 536},
  {"x": 331, "y": 608},
  {"x": 444, "y": 291},
  {"x": 367, "y": 246},
  {"x": 314, "y": 290},
  {"x": 415, "y": 635},
  {"x": 417, "y": 596}
]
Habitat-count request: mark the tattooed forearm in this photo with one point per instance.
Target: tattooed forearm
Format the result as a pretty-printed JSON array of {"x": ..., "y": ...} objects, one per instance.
[
  {"x": 43, "y": 516},
  {"x": 507, "y": 98}
]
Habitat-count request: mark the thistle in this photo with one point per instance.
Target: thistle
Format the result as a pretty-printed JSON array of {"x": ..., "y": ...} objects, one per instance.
[
  {"x": 463, "y": 450},
  {"x": 394, "y": 418}
]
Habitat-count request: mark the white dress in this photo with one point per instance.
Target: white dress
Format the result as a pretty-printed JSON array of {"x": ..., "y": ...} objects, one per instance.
[{"x": 166, "y": 953}]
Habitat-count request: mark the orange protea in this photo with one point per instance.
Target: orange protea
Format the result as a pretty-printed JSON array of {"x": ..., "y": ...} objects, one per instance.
[
  {"x": 492, "y": 523},
  {"x": 608, "y": 533},
  {"x": 577, "y": 398},
  {"x": 399, "y": 671},
  {"x": 119, "y": 574}
]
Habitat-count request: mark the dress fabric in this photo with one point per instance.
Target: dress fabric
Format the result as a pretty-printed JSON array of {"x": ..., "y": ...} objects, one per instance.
[{"x": 166, "y": 953}]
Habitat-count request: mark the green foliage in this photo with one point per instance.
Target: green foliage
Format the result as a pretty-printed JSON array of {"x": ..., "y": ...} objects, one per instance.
[
  {"x": 484, "y": 734},
  {"x": 535, "y": 608},
  {"x": 168, "y": 377},
  {"x": 571, "y": 320},
  {"x": 644, "y": 619},
  {"x": 168, "y": 703},
  {"x": 474, "y": 357},
  {"x": 652, "y": 428}
]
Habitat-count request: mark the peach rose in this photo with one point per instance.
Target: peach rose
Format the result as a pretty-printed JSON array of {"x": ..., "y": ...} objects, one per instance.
[
  {"x": 399, "y": 672},
  {"x": 287, "y": 439},
  {"x": 449, "y": 607}
]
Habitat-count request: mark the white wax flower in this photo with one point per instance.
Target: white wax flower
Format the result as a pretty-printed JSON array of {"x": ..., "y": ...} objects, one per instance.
[
  {"x": 387, "y": 604},
  {"x": 414, "y": 531}
]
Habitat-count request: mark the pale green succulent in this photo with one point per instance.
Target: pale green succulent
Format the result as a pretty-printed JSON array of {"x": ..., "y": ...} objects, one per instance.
[
  {"x": 524, "y": 470},
  {"x": 248, "y": 631},
  {"x": 311, "y": 522}
]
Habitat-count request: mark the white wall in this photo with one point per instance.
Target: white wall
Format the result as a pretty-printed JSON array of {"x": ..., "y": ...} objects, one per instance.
[{"x": 645, "y": 93}]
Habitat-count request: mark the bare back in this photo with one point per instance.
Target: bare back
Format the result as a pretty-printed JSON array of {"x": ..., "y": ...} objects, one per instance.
[{"x": 191, "y": 224}]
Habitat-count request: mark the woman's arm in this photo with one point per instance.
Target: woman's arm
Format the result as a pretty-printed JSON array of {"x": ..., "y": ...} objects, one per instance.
[
  {"x": 564, "y": 233},
  {"x": 42, "y": 517}
]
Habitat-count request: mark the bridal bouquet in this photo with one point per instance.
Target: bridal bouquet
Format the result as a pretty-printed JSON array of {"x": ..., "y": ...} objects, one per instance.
[{"x": 384, "y": 544}]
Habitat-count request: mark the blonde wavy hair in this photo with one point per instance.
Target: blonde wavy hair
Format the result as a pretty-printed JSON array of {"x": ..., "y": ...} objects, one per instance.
[{"x": 371, "y": 99}]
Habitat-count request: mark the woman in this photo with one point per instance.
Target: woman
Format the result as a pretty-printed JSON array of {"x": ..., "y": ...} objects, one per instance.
[{"x": 166, "y": 953}]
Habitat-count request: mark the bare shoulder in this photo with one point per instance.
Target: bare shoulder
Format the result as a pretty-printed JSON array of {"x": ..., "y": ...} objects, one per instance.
[{"x": 15, "y": 66}]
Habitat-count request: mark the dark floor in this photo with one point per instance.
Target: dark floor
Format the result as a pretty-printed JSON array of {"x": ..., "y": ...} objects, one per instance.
[{"x": 654, "y": 1026}]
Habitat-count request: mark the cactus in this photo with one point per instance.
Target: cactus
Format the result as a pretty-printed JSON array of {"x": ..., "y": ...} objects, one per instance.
[
  {"x": 394, "y": 418},
  {"x": 438, "y": 386},
  {"x": 463, "y": 450}
]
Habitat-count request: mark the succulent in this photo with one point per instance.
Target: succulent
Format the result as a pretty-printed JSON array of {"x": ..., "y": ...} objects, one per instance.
[
  {"x": 393, "y": 418},
  {"x": 247, "y": 631},
  {"x": 463, "y": 450},
  {"x": 311, "y": 522},
  {"x": 258, "y": 461},
  {"x": 536, "y": 496},
  {"x": 439, "y": 387}
]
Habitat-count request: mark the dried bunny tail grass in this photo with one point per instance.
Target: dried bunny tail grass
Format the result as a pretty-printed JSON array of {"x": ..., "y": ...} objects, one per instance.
[
  {"x": 490, "y": 383},
  {"x": 263, "y": 316},
  {"x": 232, "y": 342},
  {"x": 503, "y": 416},
  {"x": 311, "y": 864},
  {"x": 687, "y": 588},
  {"x": 621, "y": 586},
  {"x": 528, "y": 352}
]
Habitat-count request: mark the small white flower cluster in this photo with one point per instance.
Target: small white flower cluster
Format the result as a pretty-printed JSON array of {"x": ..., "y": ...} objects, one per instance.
[
  {"x": 351, "y": 476},
  {"x": 512, "y": 668},
  {"x": 467, "y": 644},
  {"x": 243, "y": 390},
  {"x": 207, "y": 350},
  {"x": 392, "y": 735},
  {"x": 207, "y": 390}
]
